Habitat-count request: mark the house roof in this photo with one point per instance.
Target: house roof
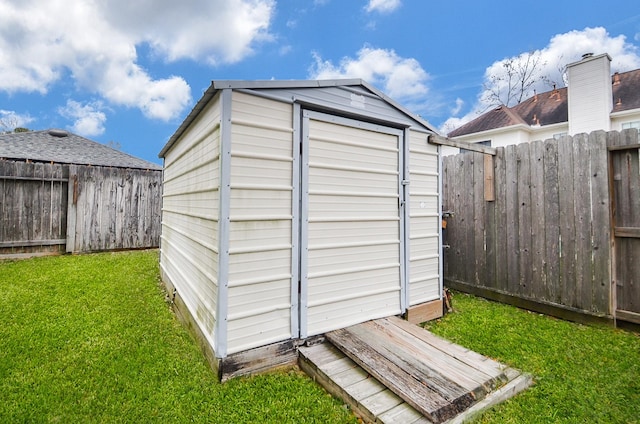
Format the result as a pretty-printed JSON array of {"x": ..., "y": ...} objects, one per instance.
[
  {"x": 60, "y": 146},
  {"x": 277, "y": 86},
  {"x": 552, "y": 107},
  {"x": 626, "y": 90}
]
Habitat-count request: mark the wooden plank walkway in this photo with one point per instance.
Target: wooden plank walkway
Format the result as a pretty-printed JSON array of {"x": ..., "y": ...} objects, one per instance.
[{"x": 392, "y": 371}]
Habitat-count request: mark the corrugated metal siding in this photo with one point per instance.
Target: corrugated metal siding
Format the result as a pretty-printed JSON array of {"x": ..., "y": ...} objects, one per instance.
[
  {"x": 189, "y": 243},
  {"x": 424, "y": 220},
  {"x": 356, "y": 100},
  {"x": 261, "y": 222},
  {"x": 353, "y": 228}
]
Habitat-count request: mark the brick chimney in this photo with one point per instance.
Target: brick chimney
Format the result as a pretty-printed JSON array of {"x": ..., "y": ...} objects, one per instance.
[{"x": 590, "y": 99}]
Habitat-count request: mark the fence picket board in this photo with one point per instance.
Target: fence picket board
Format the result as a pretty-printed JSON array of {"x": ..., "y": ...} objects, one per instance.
[
  {"x": 477, "y": 208},
  {"x": 567, "y": 222},
  {"x": 468, "y": 214},
  {"x": 513, "y": 252},
  {"x": 552, "y": 221},
  {"x": 582, "y": 213},
  {"x": 524, "y": 219},
  {"x": 458, "y": 239},
  {"x": 489, "y": 276},
  {"x": 501, "y": 221},
  {"x": 601, "y": 232},
  {"x": 446, "y": 206},
  {"x": 538, "y": 285}
]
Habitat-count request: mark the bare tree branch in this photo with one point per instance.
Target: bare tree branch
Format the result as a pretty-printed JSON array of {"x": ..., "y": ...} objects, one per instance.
[{"x": 517, "y": 80}]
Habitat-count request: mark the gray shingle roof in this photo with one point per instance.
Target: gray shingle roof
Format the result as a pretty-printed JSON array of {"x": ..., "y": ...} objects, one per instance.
[{"x": 64, "y": 147}]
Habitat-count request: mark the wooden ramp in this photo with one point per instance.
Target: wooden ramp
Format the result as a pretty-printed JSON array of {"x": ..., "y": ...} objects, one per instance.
[{"x": 392, "y": 371}]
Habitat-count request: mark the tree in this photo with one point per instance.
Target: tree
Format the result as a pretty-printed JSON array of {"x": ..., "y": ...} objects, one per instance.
[
  {"x": 8, "y": 124},
  {"x": 515, "y": 80}
]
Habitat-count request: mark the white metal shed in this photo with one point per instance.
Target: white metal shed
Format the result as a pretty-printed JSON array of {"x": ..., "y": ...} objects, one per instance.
[{"x": 292, "y": 208}]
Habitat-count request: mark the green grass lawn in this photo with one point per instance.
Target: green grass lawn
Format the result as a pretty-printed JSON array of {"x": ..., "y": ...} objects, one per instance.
[
  {"x": 583, "y": 374},
  {"x": 91, "y": 339}
]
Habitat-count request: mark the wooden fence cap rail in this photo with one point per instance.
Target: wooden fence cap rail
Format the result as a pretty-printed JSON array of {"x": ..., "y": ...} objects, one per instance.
[{"x": 444, "y": 141}]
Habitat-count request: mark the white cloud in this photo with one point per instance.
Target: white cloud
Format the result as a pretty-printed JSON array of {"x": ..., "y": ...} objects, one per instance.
[
  {"x": 95, "y": 42},
  {"x": 458, "y": 107},
  {"x": 382, "y": 6},
  {"x": 89, "y": 119},
  {"x": 9, "y": 120},
  {"x": 561, "y": 50},
  {"x": 400, "y": 78}
]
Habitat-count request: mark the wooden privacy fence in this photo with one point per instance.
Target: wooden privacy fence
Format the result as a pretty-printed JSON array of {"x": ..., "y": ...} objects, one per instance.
[
  {"x": 76, "y": 208},
  {"x": 534, "y": 225}
]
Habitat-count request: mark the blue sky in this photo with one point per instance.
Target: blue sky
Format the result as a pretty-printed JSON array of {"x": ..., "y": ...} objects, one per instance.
[{"x": 128, "y": 72}]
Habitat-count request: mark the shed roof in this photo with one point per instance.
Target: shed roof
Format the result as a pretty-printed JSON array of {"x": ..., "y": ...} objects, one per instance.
[
  {"x": 60, "y": 146},
  {"x": 277, "y": 88}
]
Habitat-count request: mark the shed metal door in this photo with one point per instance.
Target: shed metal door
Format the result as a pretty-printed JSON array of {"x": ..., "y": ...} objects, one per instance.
[
  {"x": 626, "y": 216},
  {"x": 351, "y": 225}
]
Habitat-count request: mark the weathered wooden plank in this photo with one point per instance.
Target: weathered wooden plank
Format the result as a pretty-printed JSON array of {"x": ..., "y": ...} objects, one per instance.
[
  {"x": 72, "y": 210},
  {"x": 567, "y": 245},
  {"x": 474, "y": 147},
  {"x": 538, "y": 284},
  {"x": 600, "y": 223},
  {"x": 582, "y": 218},
  {"x": 416, "y": 353},
  {"x": 631, "y": 232},
  {"x": 381, "y": 402},
  {"x": 258, "y": 360},
  {"x": 26, "y": 243},
  {"x": 403, "y": 351},
  {"x": 430, "y": 404},
  {"x": 524, "y": 219},
  {"x": 488, "y": 366},
  {"x": 628, "y": 316},
  {"x": 489, "y": 179},
  {"x": 456, "y": 224},
  {"x": 451, "y": 253},
  {"x": 515, "y": 386},
  {"x": 446, "y": 206},
  {"x": 308, "y": 366},
  {"x": 351, "y": 376},
  {"x": 425, "y": 312},
  {"x": 322, "y": 355},
  {"x": 500, "y": 260},
  {"x": 364, "y": 388},
  {"x": 479, "y": 235},
  {"x": 512, "y": 229},
  {"x": 466, "y": 217},
  {"x": 551, "y": 255},
  {"x": 402, "y": 414}
]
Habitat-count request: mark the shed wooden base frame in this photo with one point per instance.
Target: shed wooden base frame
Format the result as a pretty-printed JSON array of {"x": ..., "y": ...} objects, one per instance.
[{"x": 425, "y": 312}]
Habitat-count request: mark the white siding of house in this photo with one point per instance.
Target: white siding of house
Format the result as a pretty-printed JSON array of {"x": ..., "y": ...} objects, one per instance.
[
  {"x": 589, "y": 95},
  {"x": 502, "y": 137},
  {"x": 189, "y": 242},
  {"x": 624, "y": 117},
  {"x": 261, "y": 222},
  {"x": 424, "y": 220},
  {"x": 351, "y": 270}
]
